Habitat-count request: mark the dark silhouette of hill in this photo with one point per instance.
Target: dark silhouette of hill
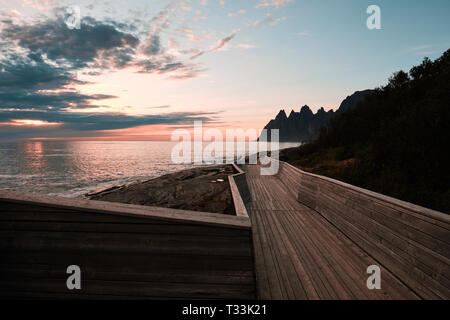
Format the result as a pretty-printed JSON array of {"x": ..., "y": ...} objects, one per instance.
[
  {"x": 394, "y": 142},
  {"x": 305, "y": 125},
  {"x": 351, "y": 101}
]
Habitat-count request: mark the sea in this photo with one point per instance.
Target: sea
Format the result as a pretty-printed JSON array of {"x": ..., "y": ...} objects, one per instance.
[{"x": 72, "y": 168}]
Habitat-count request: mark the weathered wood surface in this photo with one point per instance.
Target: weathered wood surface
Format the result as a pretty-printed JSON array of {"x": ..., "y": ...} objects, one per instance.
[
  {"x": 411, "y": 241},
  {"x": 131, "y": 211},
  {"x": 313, "y": 240},
  {"x": 239, "y": 191},
  {"x": 124, "y": 251}
]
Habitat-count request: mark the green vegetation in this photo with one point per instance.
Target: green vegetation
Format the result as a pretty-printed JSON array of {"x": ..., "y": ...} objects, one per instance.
[{"x": 394, "y": 142}]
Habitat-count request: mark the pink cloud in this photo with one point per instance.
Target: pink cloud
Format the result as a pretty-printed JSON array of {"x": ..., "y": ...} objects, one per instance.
[
  {"x": 220, "y": 44},
  {"x": 42, "y": 5},
  {"x": 272, "y": 3},
  {"x": 184, "y": 5},
  {"x": 245, "y": 46},
  {"x": 172, "y": 43},
  {"x": 223, "y": 41},
  {"x": 269, "y": 20}
]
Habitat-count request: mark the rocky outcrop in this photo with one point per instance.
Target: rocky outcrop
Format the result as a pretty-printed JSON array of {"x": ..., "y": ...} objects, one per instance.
[
  {"x": 306, "y": 125},
  {"x": 203, "y": 189}
]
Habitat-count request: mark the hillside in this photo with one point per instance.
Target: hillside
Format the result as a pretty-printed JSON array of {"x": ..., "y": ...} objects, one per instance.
[
  {"x": 306, "y": 125},
  {"x": 394, "y": 142}
]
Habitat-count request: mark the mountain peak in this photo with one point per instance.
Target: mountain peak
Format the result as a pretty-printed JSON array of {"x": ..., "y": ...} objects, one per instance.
[
  {"x": 281, "y": 115},
  {"x": 305, "y": 108},
  {"x": 292, "y": 114},
  {"x": 306, "y": 125}
]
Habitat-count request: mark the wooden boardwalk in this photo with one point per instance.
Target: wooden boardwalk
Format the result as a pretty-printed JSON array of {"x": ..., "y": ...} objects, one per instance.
[
  {"x": 301, "y": 255},
  {"x": 303, "y": 236},
  {"x": 124, "y": 251}
]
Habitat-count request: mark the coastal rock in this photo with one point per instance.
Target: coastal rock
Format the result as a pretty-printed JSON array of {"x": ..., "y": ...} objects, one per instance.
[{"x": 190, "y": 189}]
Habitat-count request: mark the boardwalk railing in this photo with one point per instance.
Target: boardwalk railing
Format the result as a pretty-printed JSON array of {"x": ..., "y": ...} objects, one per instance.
[
  {"x": 123, "y": 251},
  {"x": 239, "y": 191},
  {"x": 410, "y": 241}
]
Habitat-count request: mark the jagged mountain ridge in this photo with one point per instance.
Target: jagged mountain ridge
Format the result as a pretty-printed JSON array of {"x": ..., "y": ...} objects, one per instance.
[{"x": 306, "y": 125}]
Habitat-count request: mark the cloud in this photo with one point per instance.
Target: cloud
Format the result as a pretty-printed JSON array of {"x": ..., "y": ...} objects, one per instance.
[
  {"x": 242, "y": 11},
  {"x": 199, "y": 54},
  {"x": 220, "y": 44},
  {"x": 152, "y": 45},
  {"x": 176, "y": 70},
  {"x": 223, "y": 41},
  {"x": 30, "y": 83},
  {"x": 97, "y": 45},
  {"x": 198, "y": 18},
  {"x": 39, "y": 62},
  {"x": 38, "y": 66},
  {"x": 23, "y": 99},
  {"x": 246, "y": 46},
  {"x": 40, "y": 4},
  {"x": 272, "y": 3},
  {"x": 185, "y": 6},
  {"x": 94, "y": 42},
  {"x": 46, "y": 53},
  {"x": 32, "y": 73},
  {"x": 188, "y": 33},
  {"x": 172, "y": 43},
  {"x": 160, "y": 107},
  {"x": 105, "y": 121},
  {"x": 267, "y": 21}
]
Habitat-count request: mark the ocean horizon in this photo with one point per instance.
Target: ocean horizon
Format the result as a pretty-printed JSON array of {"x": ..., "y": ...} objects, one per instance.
[{"x": 71, "y": 168}]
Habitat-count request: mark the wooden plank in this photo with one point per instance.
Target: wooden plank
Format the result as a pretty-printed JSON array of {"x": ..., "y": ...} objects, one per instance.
[
  {"x": 161, "y": 262},
  {"x": 319, "y": 258},
  {"x": 349, "y": 261},
  {"x": 152, "y": 244},
  {"x": 284, "y": 255},
  {"x": 429, "y": 262},
  {"x": 424, "y": 213},
  {"x": 305, "y": 288},
  {"x": 123, "y": 255},
  {"x": 412, "y": 242},
  {"x": 112, "y": 208},
  {"x": 262, "y": 281},
  {"x": 134, "y": 288},
  {"x": 239, "y": 206},
  {"x": 275, "y": 284},
  {"x": 108, "y": 227},
  {"x": 332, "y": 248},
  {"x": 407, "y": 273},
  {"x": 127, "y": 273}
]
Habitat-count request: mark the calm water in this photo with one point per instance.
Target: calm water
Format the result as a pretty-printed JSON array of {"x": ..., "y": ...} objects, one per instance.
[{"x": 73, "y": 168}]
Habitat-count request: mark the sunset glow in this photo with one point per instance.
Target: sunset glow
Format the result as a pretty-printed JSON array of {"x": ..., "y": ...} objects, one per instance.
[
  {"x": 141, "y": 69},
  {"x": 28, "y": 122}
]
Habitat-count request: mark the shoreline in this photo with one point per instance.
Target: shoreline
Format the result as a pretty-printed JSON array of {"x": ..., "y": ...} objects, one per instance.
[{"x": 204, "y": 188}]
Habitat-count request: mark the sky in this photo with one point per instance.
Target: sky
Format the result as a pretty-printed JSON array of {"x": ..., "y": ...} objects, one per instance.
[{"x": 140, "y": 69}]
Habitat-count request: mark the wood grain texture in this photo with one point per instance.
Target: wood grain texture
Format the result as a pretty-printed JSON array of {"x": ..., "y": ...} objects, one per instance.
[
  {"x": 121, "y": 209},
  {"x": 128, "y": 252},
  {"x": 239, "y": 191},
  {"x": 314, "y": 239},
  {"x": 410, "y": 241}
]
